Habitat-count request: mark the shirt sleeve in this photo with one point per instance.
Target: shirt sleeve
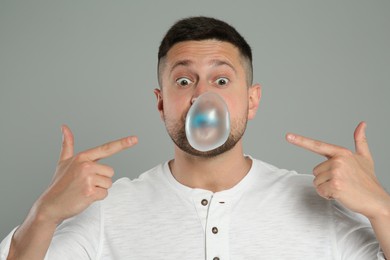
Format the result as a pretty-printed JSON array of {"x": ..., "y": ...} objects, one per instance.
[
  {"x": 355, "y": 238},
  {"x": 6, "y": 244},
  {"x": 75, "y": 238},
  {"x": 78, "y": 237}
]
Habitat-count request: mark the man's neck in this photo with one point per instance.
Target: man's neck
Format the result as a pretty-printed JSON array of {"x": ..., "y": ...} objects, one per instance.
[{"x": 218, "y": 173}]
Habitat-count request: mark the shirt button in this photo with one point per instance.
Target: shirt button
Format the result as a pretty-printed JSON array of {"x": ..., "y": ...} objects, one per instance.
[
  {"x": 216, "y": 258},
  {"x": 214, "y": 230},
  {"x": 204, "y": 202}
]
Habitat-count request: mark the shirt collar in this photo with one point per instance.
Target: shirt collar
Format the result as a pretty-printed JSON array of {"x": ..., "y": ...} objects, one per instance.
[{"x": 233, "y": 192}]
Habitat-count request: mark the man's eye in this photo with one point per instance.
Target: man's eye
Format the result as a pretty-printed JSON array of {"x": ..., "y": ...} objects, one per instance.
[
  {"x": 222, "y": 81},
  {"x": 183, "y": 82}
]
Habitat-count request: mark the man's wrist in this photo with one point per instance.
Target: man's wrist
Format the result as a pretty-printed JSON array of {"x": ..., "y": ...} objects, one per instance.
[
  {"x": 43, "y": 216},
  {"x": 382, "y": 211}
]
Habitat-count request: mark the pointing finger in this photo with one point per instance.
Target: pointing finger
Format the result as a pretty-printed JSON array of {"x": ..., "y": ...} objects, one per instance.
[
  {"x": 361, "y": 144},
  {"x": 318, "y": 147},
  {"x": 111, "y": 148},
  {"x": 67, "y": 143}
]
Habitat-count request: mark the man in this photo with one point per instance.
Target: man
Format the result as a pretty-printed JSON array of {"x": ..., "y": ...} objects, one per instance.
[{"x": 217, "y": 204}]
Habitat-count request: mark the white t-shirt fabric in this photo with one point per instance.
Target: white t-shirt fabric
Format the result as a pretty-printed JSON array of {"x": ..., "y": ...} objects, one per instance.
[{"x": 270, "y": 214}]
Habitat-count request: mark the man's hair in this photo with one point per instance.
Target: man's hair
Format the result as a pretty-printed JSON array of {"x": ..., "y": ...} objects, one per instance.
[{"x": 205, "y": 28}]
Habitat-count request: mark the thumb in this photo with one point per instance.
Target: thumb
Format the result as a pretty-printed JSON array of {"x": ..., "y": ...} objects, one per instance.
[
  {"x": 361, "y": 144},
  {"x": 67, "y": 143}
]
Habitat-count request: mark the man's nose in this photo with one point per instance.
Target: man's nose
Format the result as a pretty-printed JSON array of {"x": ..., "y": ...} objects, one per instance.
[{"x": 200, "y": 88}]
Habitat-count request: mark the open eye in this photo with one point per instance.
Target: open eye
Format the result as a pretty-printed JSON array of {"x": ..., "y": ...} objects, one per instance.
[
  {"x": 183, "y": 82},
  {"x": 222, "y": 81}
]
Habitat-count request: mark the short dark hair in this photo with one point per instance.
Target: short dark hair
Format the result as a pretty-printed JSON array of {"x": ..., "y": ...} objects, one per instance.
[{"x": 205, "y": 28}]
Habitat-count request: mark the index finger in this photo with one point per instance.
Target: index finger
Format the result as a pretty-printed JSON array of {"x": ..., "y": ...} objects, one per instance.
[
  {"x": 316, "y": 146},
  {"x": 110, "y": 148}
]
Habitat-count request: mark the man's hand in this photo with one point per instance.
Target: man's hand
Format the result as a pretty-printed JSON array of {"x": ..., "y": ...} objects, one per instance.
[
  {"x": 347, "y": 176},
  {"x": 79, "y": 179}
]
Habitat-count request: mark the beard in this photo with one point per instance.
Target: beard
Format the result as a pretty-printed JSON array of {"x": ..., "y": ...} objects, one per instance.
[{"x": 176, "y": 130}]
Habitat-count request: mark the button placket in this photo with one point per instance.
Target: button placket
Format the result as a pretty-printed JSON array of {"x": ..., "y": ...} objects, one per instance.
[
  {"x": 202, "y": 203},
  {"x": 217, "y": 234}
]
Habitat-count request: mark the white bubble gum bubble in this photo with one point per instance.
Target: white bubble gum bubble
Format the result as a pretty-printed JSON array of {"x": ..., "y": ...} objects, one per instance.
[{"x": 207, "y": 122}]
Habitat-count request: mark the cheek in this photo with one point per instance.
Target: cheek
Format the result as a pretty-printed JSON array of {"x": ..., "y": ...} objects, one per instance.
[
  {"x": 237, "y": 107},
  {"x": 176, "y": 107}
]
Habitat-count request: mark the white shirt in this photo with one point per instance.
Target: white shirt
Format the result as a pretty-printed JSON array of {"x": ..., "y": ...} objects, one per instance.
[{"x": 271, "y": 214}]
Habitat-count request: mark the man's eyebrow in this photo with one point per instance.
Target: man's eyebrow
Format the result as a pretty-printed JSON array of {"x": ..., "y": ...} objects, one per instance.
[
  {"x": 216, "y": 63},
  {"x": 178, "y": 63}
]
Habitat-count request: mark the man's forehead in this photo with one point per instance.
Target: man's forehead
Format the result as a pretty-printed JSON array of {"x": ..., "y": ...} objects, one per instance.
[{"x": 213, "y": 52}]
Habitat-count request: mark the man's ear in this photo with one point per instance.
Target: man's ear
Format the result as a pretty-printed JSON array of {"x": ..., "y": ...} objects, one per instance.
[
  {"x": 254, "y": 96},
  {"x": 160, "y": 104}
]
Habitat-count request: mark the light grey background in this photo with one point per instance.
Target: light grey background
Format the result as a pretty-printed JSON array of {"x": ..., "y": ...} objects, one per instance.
[{"x": 324, "y": 66}]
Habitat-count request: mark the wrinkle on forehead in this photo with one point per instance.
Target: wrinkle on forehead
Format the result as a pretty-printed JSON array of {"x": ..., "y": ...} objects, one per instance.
[{"x": 213, "y": 63}]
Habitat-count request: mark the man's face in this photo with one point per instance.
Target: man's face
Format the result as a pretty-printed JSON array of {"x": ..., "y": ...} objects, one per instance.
[{"x": 192, "y": 68}]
